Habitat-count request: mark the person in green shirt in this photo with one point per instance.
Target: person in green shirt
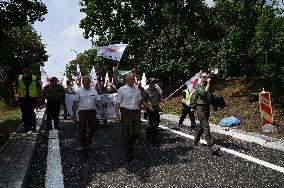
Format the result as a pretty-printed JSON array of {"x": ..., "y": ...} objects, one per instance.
[
  {"x": 203, "y": 98},
  {"x": 151, "y": 99}
]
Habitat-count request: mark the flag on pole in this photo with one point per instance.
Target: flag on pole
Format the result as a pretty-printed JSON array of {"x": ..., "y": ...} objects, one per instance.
[
  {"x": 43, "y": 78},
  {"x": 113, "y": 52},
  {"x": 64, "y": 81},
  {"x": 192, "y": 83},
  {"x": 106, "y": 80},
  {"x": 93, "y": 77},
  {"x": 143, "y": 80},
  {"x": 78, "y": 75}
]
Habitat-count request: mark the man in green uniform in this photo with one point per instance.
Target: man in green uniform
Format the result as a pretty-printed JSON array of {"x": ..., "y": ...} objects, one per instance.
[
  {"x": 203, "y": 99},
  {"x": 150, "y": 99}
]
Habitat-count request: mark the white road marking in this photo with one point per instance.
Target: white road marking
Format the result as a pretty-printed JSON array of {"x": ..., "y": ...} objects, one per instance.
[
  {"x": 238, "y": 154},
  {"x": 54, "y": 175}
]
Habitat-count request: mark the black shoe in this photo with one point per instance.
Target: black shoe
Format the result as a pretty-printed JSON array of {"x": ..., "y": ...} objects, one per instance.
[
  {"x": 180, "y": 125},
  {"x": 193, "y": 128},
  {"x": 56, "y": 127},
  {"x": 215, "y": 151},
  {"x": 90, "y": 142},
  {"x": 148, "y": 134},
  {"x": 195, "y": 144}
]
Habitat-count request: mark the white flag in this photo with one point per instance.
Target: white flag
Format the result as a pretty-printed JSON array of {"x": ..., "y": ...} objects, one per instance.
[
  {"x": 192, "y": 83},
  {"x": 64, "y": 81},
  {"x": 106, "y": 80},
  {"x": 143, "y": 80},
  {"x": 43, "y": 78},
  {"x": 93, "y": 77},
  {"x": 113, "y": 52}
]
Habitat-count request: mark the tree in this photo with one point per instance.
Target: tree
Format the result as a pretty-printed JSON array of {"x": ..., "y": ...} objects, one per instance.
[{"x": 22, "y": 47}]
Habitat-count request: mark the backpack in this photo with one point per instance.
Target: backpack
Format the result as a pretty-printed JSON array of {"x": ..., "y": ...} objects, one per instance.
[
  {"x": 54, "y": 93},
  {"x": 193, "y": 100}
]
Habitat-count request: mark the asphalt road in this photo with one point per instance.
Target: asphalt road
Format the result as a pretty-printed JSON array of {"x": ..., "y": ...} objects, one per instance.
[{"x": 175, "y": 163}]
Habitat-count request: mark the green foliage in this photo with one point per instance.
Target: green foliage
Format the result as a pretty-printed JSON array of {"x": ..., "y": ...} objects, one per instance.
[
  {"x": 10, "y": 119},
  {"x": 184, "y": 37},
  {"x": 20, "y": 44},
  {"x": 22, "y": 47},
  {"x": 18, "y": 13}
]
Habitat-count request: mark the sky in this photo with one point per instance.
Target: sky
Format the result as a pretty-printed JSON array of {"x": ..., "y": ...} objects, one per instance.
[{"x": 60, "y": 33}]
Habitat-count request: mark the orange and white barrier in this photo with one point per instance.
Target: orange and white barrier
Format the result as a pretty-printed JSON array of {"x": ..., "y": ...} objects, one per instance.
[{"x": 265, "y": 108}]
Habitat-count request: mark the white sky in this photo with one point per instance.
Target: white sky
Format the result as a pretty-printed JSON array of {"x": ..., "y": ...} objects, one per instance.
[{"x": 61, "y": 33}]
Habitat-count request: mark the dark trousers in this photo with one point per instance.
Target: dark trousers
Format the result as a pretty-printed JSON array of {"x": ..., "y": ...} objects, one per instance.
[
  {"x": 87, "y": 121},
  {"x": 52, "y": 113},
  {"x": 27, "y": 106},
  {"x": 187, "y": 111},
  {"x": 154, "y": 120},
  {"x": 203, "y": 113},
  {"x": 131, "y": 127}
]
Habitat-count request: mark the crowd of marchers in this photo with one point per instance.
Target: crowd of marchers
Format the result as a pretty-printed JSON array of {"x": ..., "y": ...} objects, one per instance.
[{"x": 131, "y": 99}]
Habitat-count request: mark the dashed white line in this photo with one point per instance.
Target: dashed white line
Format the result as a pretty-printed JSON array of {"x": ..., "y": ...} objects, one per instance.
[
  {"x": 54, "y": 175},
  {"x": 238, "y": 154}
]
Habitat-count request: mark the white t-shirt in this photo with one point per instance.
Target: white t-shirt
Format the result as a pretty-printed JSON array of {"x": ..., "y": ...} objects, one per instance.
[
  {"x": 87, "y": 98},
  {"x": 128, "y": 97}
]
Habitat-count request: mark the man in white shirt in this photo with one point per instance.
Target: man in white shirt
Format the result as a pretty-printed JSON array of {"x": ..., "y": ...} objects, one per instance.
[
  {"x": 128, "y": 102},
  {"x": 85, "y": 100}
]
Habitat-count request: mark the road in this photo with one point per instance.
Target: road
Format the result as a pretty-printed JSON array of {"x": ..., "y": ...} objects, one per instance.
[{"x": 175, "y": 163}]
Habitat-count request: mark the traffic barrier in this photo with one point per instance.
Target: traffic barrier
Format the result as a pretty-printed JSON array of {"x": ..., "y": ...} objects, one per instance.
[{"x": 265, "y": 108}]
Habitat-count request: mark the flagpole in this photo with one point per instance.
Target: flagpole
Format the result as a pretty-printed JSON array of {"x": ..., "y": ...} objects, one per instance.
[{"x": 174, "y": 92}]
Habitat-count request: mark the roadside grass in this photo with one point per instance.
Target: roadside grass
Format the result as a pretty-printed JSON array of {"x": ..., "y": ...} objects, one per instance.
[
  {"x": 242, "y": 98},
  {"x": 10, "y": 119}
]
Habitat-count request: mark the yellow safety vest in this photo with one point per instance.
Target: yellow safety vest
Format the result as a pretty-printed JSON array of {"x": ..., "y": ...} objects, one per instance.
[
  {"x": 187, "y": 97},
  {"x": 22, "y": 87}
]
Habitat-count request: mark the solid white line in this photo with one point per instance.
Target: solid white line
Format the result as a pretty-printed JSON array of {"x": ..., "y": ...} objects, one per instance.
[
  {"x": 54, "y": 175},
  {"x": 238, "y": 154}
]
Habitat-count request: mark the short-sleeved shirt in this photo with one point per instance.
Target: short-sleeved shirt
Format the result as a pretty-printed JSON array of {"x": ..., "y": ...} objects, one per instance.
[
  {"x": 152, "y": 97},
  {"x": 128, "y": 97},
  {"x": 87, "y": 98}
]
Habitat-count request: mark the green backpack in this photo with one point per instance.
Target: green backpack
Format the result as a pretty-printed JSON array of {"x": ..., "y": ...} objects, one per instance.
[{"x": 193, "y": 99}]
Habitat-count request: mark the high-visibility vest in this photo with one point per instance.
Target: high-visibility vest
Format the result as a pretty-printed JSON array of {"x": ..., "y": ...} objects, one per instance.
[
  {"x": 187, "y": 97},
  {"x": 22, "y": 88}
]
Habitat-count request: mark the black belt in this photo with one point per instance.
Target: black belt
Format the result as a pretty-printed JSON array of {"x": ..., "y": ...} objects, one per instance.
[
  {"x": 87, "y": 110},
  {"x": 128, "y": 109}
]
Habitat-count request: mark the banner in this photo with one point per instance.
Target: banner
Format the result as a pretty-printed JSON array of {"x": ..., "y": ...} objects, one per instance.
[
  {"x": 43, "y": 78},
  {"x": 107, "y": 99},
  {"x": 109, "y": 106},
  {"x": 113, "y": 52}
]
